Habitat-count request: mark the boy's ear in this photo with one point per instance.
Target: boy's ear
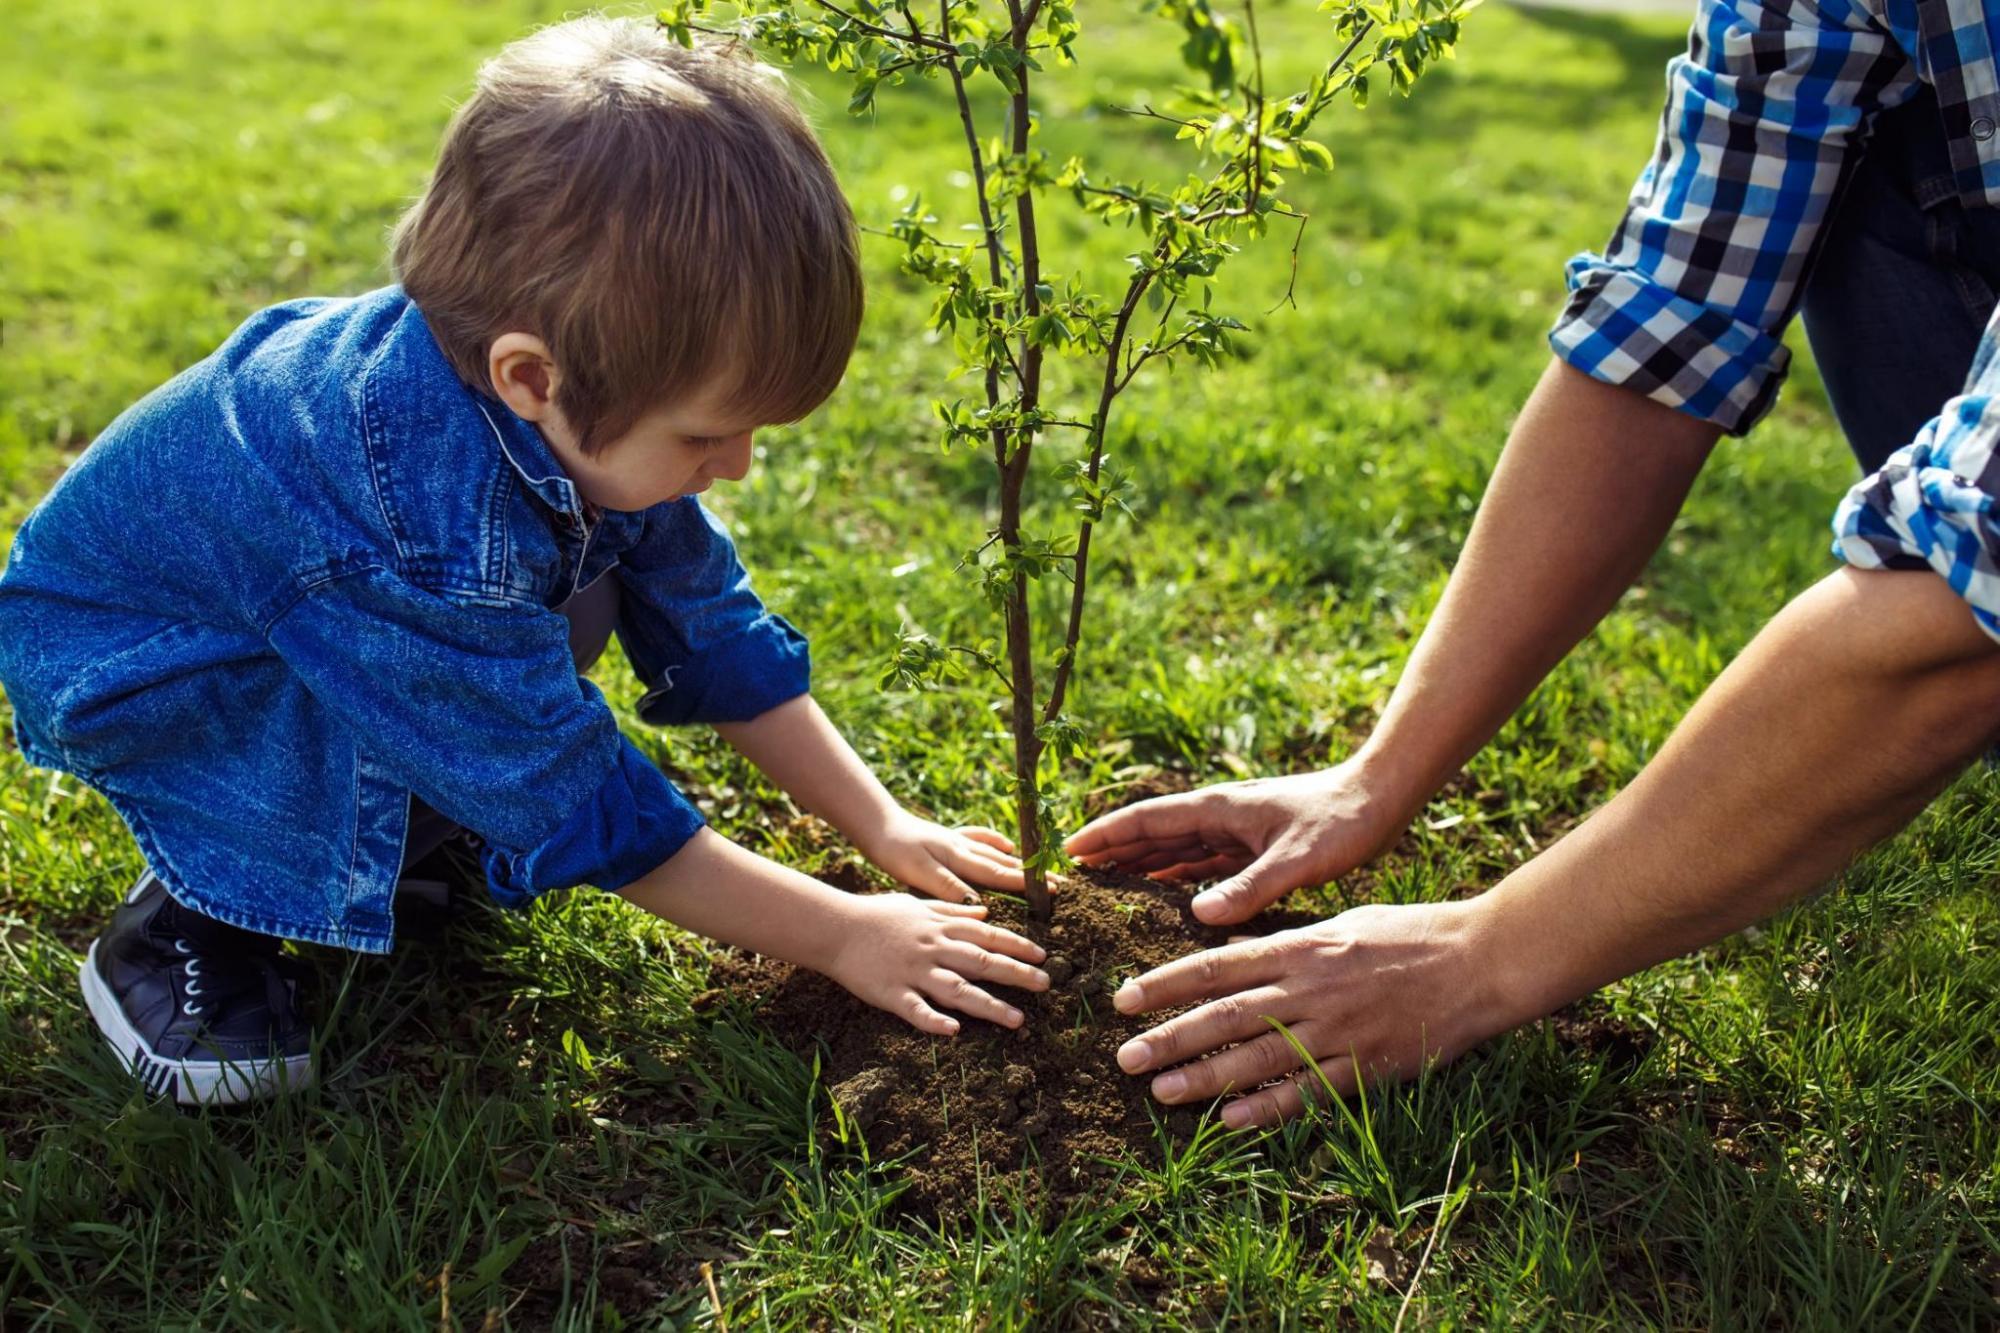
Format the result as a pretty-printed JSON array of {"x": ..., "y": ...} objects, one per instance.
[{"x": 523, "y": 374}]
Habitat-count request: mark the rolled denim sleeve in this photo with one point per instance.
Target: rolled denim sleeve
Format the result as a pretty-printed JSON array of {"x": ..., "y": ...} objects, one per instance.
[
  {"x": 1688, "y": 300},
  {"x": 1933, "y": 503},
  {"x": 696, "y": 634},
  {"x": 478, "y": 709}
]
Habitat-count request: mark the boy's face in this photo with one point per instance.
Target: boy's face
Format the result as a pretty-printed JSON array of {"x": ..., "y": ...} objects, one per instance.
[{"x": 680, "y": 448}]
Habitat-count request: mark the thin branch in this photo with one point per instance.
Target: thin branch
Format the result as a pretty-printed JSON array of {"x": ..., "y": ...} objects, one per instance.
[
  {"x": 984, "y": 659},
  {"x": 1292, "y": 282},
  {"x": 1147, "y": 113},
  {"x": 1080, "y": 575},
  {"x": 1149, "y": 354},
  {"x": 1025, "y": 19},
  {"x": 1159, "y": 332},
  {"x": 1253, "y": 170},
  {"x": 991, "y": 233},
  {"x": 887, "y": 34}
]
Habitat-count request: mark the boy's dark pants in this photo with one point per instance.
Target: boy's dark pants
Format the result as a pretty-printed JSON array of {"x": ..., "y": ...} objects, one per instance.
[
  {"x": 592, "y": 615},
  {"x": 1903, "y": 286}
]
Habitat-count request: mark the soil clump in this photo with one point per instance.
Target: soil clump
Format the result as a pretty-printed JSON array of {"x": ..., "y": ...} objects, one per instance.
[{"x": 1045, "y": 1106}]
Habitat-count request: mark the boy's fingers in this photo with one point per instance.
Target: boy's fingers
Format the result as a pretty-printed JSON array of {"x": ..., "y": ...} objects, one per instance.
[
  {"x": 992, "y": 837},
  {"x": 996, "y": 940},
  {"x": 992, "y": 873},
  {"x": 993, "y": 854},
  {"x": 917, "y": 1012},
  {"x": 943, "y": 884},
  {"x": 972, "y": 910},
  {"x": 969, "y": 960},
  {"x": 951, "y": 989}
]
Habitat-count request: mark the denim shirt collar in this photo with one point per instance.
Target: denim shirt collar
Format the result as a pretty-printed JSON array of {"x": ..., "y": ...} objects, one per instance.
[
  {"x": 531, "y": 457},
  {"x": 418, "y": 374}
]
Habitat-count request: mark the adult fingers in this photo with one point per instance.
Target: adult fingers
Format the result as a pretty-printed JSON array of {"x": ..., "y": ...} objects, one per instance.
[
  {"x": 1250, "y": 890},
  {"x": 1283, "y": 1101},
  {"x": 992, "y": 837},
  {"x": 913, "y": 1009},
  {"x": 995, "y": 940},
  {"x": 1218, "y": 1023},
  {"x": 1148, "y": 821},
  {"x": 1256, "y": 1061},
  {"x": 969, "y": 960},
  {"x": 1229, "y": 863},
  {"x": 1126, "y": 854},
  {"x": 1197, "y": 977},
  {"x": 1149, "y": 861},
  {"x": 955, "y": 992}
]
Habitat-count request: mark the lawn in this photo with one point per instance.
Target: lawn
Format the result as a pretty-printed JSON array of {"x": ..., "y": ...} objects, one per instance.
[{"x": 534, "y": 1123}]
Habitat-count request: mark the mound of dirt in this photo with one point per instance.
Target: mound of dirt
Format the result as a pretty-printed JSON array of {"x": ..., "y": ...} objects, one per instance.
[{"x": 1044, "y": 1106}]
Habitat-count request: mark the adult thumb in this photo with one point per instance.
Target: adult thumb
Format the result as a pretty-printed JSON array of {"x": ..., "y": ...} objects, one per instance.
[{"x": 1243, "y": 894}]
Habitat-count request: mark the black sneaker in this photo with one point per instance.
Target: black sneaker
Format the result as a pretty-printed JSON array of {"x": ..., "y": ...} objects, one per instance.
[{"x": 202, "y": 1011}]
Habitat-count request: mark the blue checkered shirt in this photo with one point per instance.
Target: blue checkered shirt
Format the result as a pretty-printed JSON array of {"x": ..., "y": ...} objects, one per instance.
[
  {"x": 1765, "y": 117},
  {"x": 1935, "y": 504}
]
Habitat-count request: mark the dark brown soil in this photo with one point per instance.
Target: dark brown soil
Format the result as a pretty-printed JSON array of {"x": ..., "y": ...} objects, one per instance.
[{"x": 1044, "y": 1106}]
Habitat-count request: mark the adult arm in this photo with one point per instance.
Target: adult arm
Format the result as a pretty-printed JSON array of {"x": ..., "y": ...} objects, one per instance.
[
  {"x": 1683, "y": 310},
  {"x": 1835, "y": 727},
  {"x": 1590, "y": 481}
]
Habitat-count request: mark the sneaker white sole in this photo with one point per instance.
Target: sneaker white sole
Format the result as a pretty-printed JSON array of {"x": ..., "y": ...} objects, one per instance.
[{"x": 188, "y": 1082}]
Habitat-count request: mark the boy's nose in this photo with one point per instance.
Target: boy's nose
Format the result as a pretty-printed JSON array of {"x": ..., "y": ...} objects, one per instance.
[{"x": 731, "y": 462}]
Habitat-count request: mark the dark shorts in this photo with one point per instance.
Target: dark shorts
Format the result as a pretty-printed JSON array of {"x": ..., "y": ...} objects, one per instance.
[{"x": 1902, "y": 287}]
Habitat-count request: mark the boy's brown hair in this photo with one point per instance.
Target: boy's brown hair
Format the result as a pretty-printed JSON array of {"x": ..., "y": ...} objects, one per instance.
[{"x": 659, "y": 216}]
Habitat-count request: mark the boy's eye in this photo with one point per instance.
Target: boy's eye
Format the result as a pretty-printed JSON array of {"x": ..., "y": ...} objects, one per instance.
[{"x": 706, "y": 441}]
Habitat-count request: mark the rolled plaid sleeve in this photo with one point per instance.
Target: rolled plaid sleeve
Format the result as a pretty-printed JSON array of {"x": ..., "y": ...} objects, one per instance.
[
  {"x": 1932, "y": 504},
  {"x": 1688, "y": 300}
]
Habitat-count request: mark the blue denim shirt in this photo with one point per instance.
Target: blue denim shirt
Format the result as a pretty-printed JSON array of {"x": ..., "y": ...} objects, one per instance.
[{"x": 315, "y": 573}]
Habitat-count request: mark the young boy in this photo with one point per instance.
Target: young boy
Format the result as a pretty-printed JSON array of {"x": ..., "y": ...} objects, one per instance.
[{"x": 325, "y": 596}]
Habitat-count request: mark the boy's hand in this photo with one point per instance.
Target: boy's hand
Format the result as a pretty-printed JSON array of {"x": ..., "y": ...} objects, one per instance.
[
  {"x": 940, "y": 861},
  {"x": 905, "y": 955}
]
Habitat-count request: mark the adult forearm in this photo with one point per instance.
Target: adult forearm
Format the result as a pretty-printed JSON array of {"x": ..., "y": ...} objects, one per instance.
[
  {"x": 1587, "y": 487},
  {"x": 1835, "y": 727}
]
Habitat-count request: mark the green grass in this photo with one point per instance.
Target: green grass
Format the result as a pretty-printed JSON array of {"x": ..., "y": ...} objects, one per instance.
[{"x": 1797, "y": 1126}]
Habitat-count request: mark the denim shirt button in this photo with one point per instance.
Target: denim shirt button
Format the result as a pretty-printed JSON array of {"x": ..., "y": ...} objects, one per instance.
[{"x": 1982, "y": 128}]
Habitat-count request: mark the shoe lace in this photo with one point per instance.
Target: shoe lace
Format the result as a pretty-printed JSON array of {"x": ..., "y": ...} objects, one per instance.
[{"x": 216, "y": 979}]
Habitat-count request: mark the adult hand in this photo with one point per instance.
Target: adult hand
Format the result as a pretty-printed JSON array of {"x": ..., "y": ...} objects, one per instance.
[
  {"x": 1379, "y": 990},
  {"x": 1266, "y": 837}
]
